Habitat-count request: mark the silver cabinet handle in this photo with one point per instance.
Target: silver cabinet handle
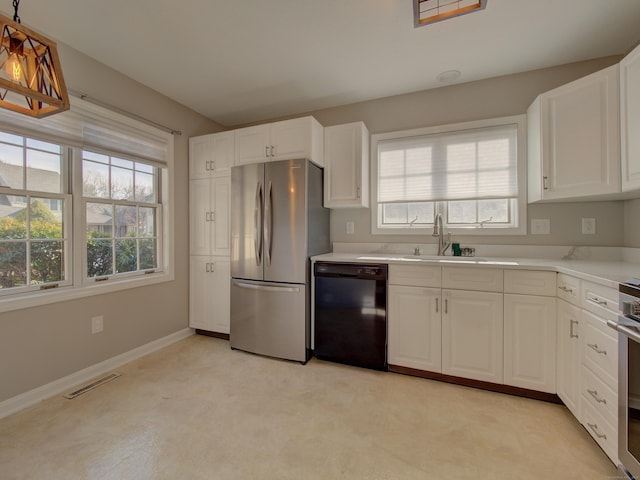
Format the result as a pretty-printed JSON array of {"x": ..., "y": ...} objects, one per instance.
[
  {"x": 206, "y": 267},
  {"x": 266, "y": 151},
  {"x": 594, "y": 347},
  {"x": 212, "y": 216},
  {"x": 358, "y": 192},
  {"x": 571, "y": 324},
  {"x": 597, "y": 301},
  {"x": 545, "y": 186},
  {"x": 594, "y": 427},
  {"x": 207, "y": 216},
  {"x": 446, "y": 306},
  {"x": 212, "y": 267},
  {"x": 206, "y": 165},
  {"x": 437, "y": 305},
  {"x": 565, "y": 289},
  {"x": 594, "y": 394},
  {"x": 272, "y": 147},
  {"x": 213, "y": 164}
]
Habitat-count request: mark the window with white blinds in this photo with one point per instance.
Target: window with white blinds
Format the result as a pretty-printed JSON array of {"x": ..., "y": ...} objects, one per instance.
[{"x": 472, "y": 173}]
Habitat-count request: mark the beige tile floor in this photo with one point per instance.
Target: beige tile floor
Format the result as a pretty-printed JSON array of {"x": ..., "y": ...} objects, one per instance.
[{"x": 198, "y": 410}]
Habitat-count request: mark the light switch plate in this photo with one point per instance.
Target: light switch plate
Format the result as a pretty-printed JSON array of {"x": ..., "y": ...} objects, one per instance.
[
  {"x": 540, "y": 226},
  {"x": 350, "y": 228},
  {"x": 588, "y": 226},
  {"x": 97, "y": 324}
]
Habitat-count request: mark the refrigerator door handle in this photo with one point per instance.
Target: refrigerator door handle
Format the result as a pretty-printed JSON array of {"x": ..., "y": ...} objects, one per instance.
[
  {"x": 265, "y": 288},
  {"x": 268, "y": 224},
  {"x": 257, "y": 224}
]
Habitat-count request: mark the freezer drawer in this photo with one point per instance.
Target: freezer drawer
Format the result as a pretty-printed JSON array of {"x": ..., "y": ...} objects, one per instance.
[{"x": 270, "y": 319}]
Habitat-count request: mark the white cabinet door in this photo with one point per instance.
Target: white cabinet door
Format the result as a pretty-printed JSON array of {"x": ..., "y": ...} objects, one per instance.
[
  {"x": 630, "y": 120},
  {"x": 574, "y": 146},
  {"x": 285, "y": 140},
  {"x": 568, "y": 356},
  {"x": 530, "y": 342},
  {"x": 253, "y": 144},
  {"x": 211, "y": 155},
  {"x": 346, "y": 165},
  {"x": 209, "y": 200},
  {"x": 414, "y": 328},
  {"x": 472, "y": 336},
  {"x": 209, "y": 293}
]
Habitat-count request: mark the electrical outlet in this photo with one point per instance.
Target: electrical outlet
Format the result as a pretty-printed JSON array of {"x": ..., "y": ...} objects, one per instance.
[
  {"x": 97, "y": 324},
  {"x": 588, "y": 226},
  {"x": 540, "y": 226},
  {"x": 351, "y": 227}
]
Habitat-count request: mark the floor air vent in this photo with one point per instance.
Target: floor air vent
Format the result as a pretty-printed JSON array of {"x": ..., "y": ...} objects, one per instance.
[{"x": 92, "y": 385}]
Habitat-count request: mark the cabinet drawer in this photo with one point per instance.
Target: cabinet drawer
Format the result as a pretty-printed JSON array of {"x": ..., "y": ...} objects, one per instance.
[
  {"x": 530, "y": 282},
  {"x": 601, "y": 397},
  {"x": 472, "y": 278},
  {"x": 415, "y": 275},
  {"x": 600, "y": 349},
  {"x": 600, "y": 300},
  {"x": 601, "y": 430},
  {"x": 568, "y": 288}
]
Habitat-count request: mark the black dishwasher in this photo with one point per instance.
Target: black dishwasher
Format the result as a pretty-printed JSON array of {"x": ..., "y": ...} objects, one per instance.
[{"x": 351, "y": 313}]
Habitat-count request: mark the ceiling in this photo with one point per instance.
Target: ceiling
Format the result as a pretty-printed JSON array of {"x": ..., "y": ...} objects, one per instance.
[{"x": 244, "y": 61}]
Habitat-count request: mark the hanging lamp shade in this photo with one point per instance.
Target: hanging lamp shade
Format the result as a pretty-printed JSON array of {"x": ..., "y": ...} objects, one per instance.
[{"x": 31, "y": 80}]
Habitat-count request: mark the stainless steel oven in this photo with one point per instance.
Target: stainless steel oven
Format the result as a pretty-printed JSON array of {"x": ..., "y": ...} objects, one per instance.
[{"x": 628, "y": 327}]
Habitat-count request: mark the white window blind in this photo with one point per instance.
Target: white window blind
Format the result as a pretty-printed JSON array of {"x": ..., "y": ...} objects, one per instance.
[
  {"x": 90, "y": 126},
  {"x": 457, "y": 165}
]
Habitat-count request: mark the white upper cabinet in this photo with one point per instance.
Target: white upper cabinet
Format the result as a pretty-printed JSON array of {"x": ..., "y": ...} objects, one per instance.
[
  {"x": 211, "y": 155},
  {"x": 630, "y": 120},
  {"x": 346, "y": 165},
  {"x": 210, "y": 216},
  {"x": 573, "y": 139},
  {"x": 285, "y": 140}
]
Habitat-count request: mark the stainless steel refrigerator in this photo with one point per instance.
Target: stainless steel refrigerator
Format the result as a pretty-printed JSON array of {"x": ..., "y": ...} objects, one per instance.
[{"x": 277, "y": 223}]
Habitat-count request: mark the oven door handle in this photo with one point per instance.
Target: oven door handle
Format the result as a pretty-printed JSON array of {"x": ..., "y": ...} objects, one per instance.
[{"x": 629, "y": 332}]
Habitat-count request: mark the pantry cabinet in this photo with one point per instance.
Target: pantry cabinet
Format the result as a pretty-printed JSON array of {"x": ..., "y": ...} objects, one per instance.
[
  {"x": 211, "y": 155},
  {"x": 210, "y": 293},
  {"x": 285, "y": 140},
  {"x": 209, "y": 200},
  {"x": 346, "y": 165},
  {"x": 630, "y": 120},
  {"x": 574, "y": 139}
]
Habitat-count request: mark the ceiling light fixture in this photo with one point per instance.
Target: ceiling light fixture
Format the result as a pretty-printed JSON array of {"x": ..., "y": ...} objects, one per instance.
[
  {"x": 31, "y": 79},
  {"x": 431, "y": 11}
]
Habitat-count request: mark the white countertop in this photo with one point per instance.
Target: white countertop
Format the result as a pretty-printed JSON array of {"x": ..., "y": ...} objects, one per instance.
[{"x": 607, "y": 273}]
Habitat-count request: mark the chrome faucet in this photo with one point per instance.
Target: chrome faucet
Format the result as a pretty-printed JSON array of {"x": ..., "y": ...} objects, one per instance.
[{"x": 438, "y": 231}]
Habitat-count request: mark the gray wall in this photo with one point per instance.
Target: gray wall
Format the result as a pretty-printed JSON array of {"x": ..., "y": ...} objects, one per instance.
[
  {"x": 39, "y": 345},
  {"x": 495, "y": 97}
]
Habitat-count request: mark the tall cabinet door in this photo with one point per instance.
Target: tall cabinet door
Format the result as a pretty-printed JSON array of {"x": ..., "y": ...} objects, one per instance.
[
  {"x": 415, "y": 328},
  {"x": 209, "y": 293},
  {"x": 472, "y": 337},
  {"x": 200, "y": 225},
  {"x": 209, "y": 222}
]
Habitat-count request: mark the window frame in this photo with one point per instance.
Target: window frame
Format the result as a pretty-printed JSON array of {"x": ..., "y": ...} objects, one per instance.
[
  {"x": 75, "y": 285},
  {"x": 519, "y": 205}
]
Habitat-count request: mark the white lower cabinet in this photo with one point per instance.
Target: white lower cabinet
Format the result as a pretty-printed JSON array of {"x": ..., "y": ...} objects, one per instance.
[
  {"x": 568, "y": 357},
  {"x": 209, "y": 293},
  {"x": 414, "y": 328},
  {"x": 530, "y": 342},
  {"x": 472, "y": 335}
]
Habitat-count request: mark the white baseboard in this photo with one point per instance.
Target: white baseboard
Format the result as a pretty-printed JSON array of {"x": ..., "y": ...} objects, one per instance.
[{"x": 26, "y": 399}]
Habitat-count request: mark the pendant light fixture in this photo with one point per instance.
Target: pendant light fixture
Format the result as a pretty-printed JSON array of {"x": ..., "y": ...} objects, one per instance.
[{"x": 31, "y": 80}]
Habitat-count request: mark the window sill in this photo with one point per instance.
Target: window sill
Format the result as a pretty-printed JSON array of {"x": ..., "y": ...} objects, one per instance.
[
  {"x": 468, "y": 232},
  {"x": 63, "y": 294}
]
